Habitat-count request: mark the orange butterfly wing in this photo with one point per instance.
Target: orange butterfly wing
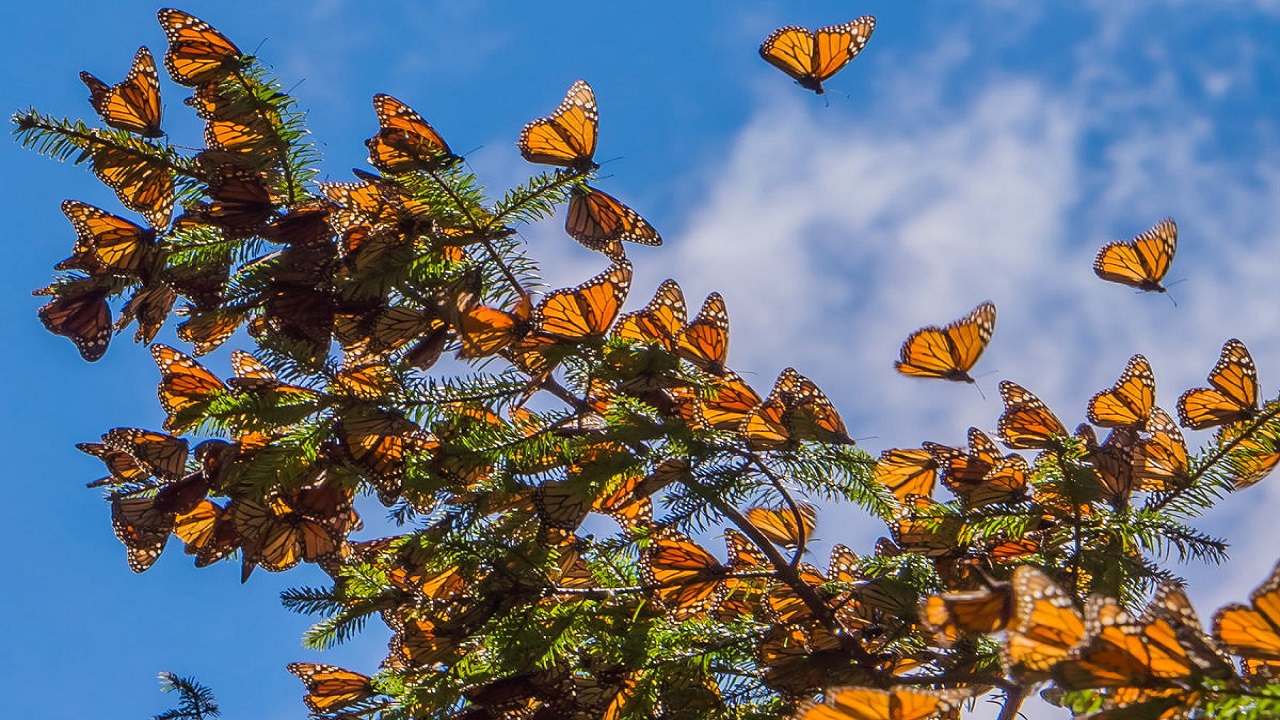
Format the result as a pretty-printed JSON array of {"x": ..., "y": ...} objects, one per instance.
[
  {"x": 1253, "y": 630},
  {"x": 80, "y": 312},
  {"x": 900, "y": 703},
  {"x": 812, "y": 57},
  {"x": 1046, "y": 625},
  {"x": 405, "y": 142},
  {"x": 116, "y": 244},
  {"x": 784, "y": 526},
  {"x": 689, "y": 578},
  {"x": 143, "y": 183},
  {"x": 330, "y": 687},
  {"x": 705, "y": 341},
  {"x": 1141, "y": 262},
  {"x": 587, "y": 310},
  {"x": 566, "y": 137},
  {"x": 658, "y": 322},
  {"x": 599, "y": 221},
  {"x": 1129, "y": 402},
  {"x": 197, "y": 53},
  {"x": 907, "y": 472},
  {"x": 1027, "y": 423},
  {"x": 134, "y": 104},
  {"x": 1233, "y": 394},
  {"x": 949, "y": 352},
  {"x": 186, "y": 387}
]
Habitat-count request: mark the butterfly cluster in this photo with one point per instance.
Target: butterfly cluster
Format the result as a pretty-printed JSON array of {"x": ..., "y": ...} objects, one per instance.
[{"x": 563, "y": 479}]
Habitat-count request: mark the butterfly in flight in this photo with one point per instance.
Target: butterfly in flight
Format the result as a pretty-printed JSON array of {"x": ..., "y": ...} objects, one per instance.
[
  {"x": 813, "y": 57},
  {"x": 1141, "y": 262},
  {"x": 948, "y": 352},
  {"x": 134, "y": 104},
  {"x": 566, "y": 137},
  {"x": 1232, "y": 395}
]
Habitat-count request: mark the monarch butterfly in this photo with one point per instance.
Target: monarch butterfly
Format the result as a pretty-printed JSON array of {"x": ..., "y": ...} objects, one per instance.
[
  {"x": 186, "y": 387},
  {"x": 79, "y": 311},
  {"x": 599, "y": 221},
  {"x": 900, "y": 703},
  {"x": 1233, "y": 395},
  {"x": 240, "y": 204},
  {"x": 962, "y": 468},
  {"x": 950, "y": 615},
  {"x": 1046, "y": 625},
  {"x": 1160, "y": 460},
  {"x": 419, "y": 643},
  {"x": 382, "y": 329},
  {"x": 658, "y": 322},
  {"x": 249, "y": 140},
  {"x": 588, "y": 310},
  {"x": 1141, "y": 262},
  {"x": 948, "y": 352},
  {"x": 786, "y": 606},
  {"x": 142, "y": 528},
  {"x": 159, "y": 454},
  {"x": 207, "y": 531},
  {"x": 705, "y": 341},
  {"x": 143, "y": 183},
  {"x": 926, "y": 526},
  {"x": 197, "y": 53},
  {"x": 566, "y": 137},
  {"x": 1251, "y": 458},
  {"x": 731, "y": 401},
  {"x": 209, "y": 329},
  {"x": 687, "y": 578},
  {"x": 1005, "y": 482},
  {"x": 121, "y": 466},
  {"x": 380, "y": 442},
  {"x": 134, "y": 104},
  {"x": 1113, "y": 464},
  {"x": 562, "y": 505},
  {"x": 1165, "y": 645},
  {"x": 796, "y": 410},
  {"x": 907, "y": 472},
  {"x": 330, "y": 687},
  {"x": 1129, "y": 402},
  {"x": 251, "y": 375},
  {"x": 1253, "y": 630},
  {"x": 813, "y": 57},
  {"x": 109, "y": 243},
  {"x": 1027, "y": 423},
  {"x": 405, "y": 142},
  {"x": 785, "y": 526}
]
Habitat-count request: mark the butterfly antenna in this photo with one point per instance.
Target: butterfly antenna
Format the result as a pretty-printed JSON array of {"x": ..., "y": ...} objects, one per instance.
[{"x": 979, "y": 389}]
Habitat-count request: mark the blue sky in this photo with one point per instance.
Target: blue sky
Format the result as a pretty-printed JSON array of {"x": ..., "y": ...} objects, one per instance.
[{"x": 974, "y": 151}]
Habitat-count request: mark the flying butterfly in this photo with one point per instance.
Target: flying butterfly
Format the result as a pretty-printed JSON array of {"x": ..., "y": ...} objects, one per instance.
[
  {"x": 186, "y": 387},
  {"x": 599, "y": 221},
  {"x": 1141, "y": 262},
  {"x": 813, "y": 57},
  {"x": 705, "y": 340},
  {"x": 1232, "y": 395},
  {"x": 1027, "y": 423},
  {"x": 658, "y": 322},
  {"x": 566, "y": 137},
  {"x": 900, "y": 703},
  {"x": 1253, "y": 630},
  {"x": 329, "y": 687},
  {"x": 134, "y": 103},
  {"x": 79, "y": 311},
  {"x": 948, "y": 352},
  {"x": 405, "y": 142},
  {"x": 1130, "y": 401},
  {"x": 197, "y": 53}
]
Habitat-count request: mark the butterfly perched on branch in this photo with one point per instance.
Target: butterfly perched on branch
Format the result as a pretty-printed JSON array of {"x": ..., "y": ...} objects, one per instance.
[{"x": 134, "y": 103}]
